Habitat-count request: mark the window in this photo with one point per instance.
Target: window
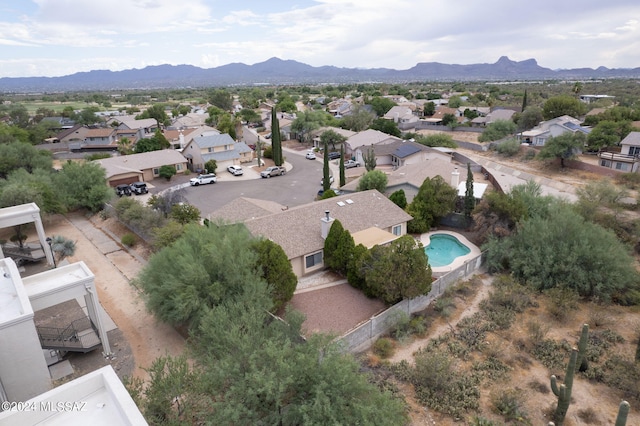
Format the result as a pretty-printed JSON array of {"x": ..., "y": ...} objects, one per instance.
[
  {"x": 622, "y": 166},
  {"x": 634, "y": 150},
  {"x": 605, "y": 163},
  {"x": 209, "y": 149},
  {"x": 178, "y": 167},
  {"x": 312, "y": 260},
  {"x": 397, "y": 230},
  {"x": 156, "y": 172}
]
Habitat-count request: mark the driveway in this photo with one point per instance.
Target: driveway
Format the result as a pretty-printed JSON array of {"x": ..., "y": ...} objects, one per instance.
[{"x": 299, "y": 186}]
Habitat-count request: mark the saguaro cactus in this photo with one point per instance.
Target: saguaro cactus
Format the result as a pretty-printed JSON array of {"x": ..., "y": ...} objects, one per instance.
[
  {"x": 582, "y": 363},
  {"x": 563, "y": 392},
  {"x": 623, "y": 412}
]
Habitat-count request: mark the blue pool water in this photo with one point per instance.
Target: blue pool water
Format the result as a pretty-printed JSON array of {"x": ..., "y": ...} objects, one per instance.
[{"x": 443, "y": 249}]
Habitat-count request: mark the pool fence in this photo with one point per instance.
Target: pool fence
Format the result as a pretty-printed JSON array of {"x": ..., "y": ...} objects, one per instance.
[{"x": 365, "y": 334}]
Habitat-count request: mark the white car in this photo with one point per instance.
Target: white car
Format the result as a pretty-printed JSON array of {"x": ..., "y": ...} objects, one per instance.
[
  {"x": 235, "y": 170},
  {"x": 203, "y": 179},
  {"x": 310, "y": 155},
  {"x": 330, "y": 180}
]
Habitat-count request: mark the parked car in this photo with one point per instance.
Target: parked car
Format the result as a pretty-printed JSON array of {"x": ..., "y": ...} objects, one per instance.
[
  {"x": 351, "y": 163},
  {"x": 335, "y": 191},
  {"x": 138, "y": 188},
  {"x": 310, "y": 155},
  {"x": 235, "y": 170},
  {"x": 334, "y": 155},
  {"x": 330, "y": 180},
  {"x": 273, "y": 171},
  {"x": 123, "y": 189},
  {"x": 203, "y": 179}
]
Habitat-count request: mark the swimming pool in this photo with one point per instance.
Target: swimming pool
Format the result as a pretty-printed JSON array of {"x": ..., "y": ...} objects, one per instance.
[{"x": 443, "y": 249}]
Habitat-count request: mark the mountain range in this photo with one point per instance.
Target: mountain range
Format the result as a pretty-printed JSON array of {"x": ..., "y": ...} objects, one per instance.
[{"x": 285, "y": 72}]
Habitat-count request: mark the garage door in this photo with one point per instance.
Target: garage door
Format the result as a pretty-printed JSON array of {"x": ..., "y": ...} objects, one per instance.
[{"x": 116, "y": 182}]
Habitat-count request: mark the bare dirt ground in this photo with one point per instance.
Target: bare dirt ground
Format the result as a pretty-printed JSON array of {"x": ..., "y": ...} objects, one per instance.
[
  {"x": 139, "y": 338},
  {"x": 527, "y": 374}
]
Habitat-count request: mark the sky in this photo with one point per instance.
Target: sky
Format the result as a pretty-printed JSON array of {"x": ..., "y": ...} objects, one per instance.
[{"x": 49, "y": 38}]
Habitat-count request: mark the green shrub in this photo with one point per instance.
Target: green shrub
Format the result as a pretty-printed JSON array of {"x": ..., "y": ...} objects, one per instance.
[
  {"x": 562, "y": 301},
  {"x": 629, "y": 180},
  {"x": 508, "y": 148},
  {"x": 383, "y": 347},
  {"x": 267, "y": 152},
  {"x": 128, "y": 239},
  {"x": 509, "y": 404}
]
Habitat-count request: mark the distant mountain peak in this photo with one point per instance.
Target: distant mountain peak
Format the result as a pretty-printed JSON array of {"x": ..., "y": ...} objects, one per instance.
[{"x": 282, "y": 72}]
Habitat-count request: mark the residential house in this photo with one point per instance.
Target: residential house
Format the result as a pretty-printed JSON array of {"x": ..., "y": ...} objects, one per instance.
[
  {"x": 100, "y": 136},
  {"x": 366, "y": 137},
  {"x": 316, "y": 134},
  {"x": 493, "y": 116},
  {"x": 339, "y": 107},
  {"x": 179, "y": 138},
  {"x": 75, "y": 134},
  {"x": 627, "y": 159},
  {"x": 193, "y": 119},
  {"x": 441, "y": 111},
  {"x": 410, "y": 177},
  {"x": 403, "y": 116},
  {"x": 147, "y": 127},
  {"x": 399, "y": 153},
  {"x": 221, "y": 148},
  {"x": 141, "y": 167},
  {"x": 369, "y": 216},
  {"x": 539, "y": 135}
]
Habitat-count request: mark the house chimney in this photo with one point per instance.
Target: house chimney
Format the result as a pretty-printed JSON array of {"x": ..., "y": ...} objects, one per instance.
[
  {"x": 325, "y": 224},
  {"x": 455, "y": 178}
]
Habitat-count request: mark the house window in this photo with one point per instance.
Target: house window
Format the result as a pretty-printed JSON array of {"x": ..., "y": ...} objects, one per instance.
[
  {"x": 397, "y": 230},
  {"x": 209, "y": 149},
  {"x": 312, "y": 260},
  {"x": 156, "y": 172},
  {"x": 178, "y": 167},
  {"x": 605, "y": 163},
  {"x": 634, "y": 150},
  {"x": 621, "y": 166}
]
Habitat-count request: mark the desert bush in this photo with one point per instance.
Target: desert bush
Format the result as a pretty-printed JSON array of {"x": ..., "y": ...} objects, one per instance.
[
  {"x": 128, "y": 239},
  {"x": 588, "y": 415},
  {"x": 538, "y": 386},
  {"x": 599, "y": 317},
  {"x": 624, "y": 375},
  {"x": 441, "y": 387},
  {"x": 508, "y": 148},
  {"x": 481, "y": 421},
  {"x": 472, "y": 331},
  {"x": 491, "y": 368},
  {"x": 537, "y": 331},
  {"x": 629, "y": 180},
  {"x": 444, "y": 305},
  {"x": 562, "y": 302},
  {"x": 552, "y": 354},
  {"x": 509, "y": 404},
  {"x": 383, "y": 347},
  {"x": 529, "y": 155}
]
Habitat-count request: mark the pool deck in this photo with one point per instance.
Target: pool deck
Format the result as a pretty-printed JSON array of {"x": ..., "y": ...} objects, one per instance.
[{"x": 425, "y": 239}]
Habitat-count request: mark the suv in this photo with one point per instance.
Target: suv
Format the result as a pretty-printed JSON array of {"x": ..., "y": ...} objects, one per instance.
[
  {"x": 334, "y": 155},
  {"x": 203, "y": 179},
  {"x": 138, "y": 188},
  {"x": 123, "y": 189},
  {"x": 310, "y": 155},
  {"x": 235, "y": 170}
]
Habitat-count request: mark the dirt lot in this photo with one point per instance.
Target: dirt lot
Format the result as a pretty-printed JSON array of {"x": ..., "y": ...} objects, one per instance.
[{"x": 139, "y": 338}]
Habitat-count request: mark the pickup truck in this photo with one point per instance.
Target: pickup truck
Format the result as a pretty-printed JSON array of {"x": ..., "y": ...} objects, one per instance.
[{"x": 273, "y": 171}]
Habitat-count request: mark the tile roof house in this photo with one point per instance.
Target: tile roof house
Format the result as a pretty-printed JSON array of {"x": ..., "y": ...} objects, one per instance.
[
  {"x": 140, "y": 167},
  {"x": 410, "y": 177},
  {"x": 555, "y": 127},
  {"x": 397, "y": 153},
  {"x": 316, "y": 134},
  {"x": 403, "y": 116},
  {"x": 219, "y": 147},
  {"x": 497, "y": 114},
  {"x": 628, "y": 160},
  {"x": 301, "y": 230},
  {"x": 367, "y": 137},
  {"x": 147, "y": 126}
]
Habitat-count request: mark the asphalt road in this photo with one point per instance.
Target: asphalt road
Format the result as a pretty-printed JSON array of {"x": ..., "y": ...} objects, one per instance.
[{"x": 299, "y": 186}]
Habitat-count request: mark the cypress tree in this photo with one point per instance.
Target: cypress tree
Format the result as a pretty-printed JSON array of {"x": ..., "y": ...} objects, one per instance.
[
  {"x": 469, "y": 199},
  {"x": 276, "y": 143},
  {"x": 343, "y": 179}
]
